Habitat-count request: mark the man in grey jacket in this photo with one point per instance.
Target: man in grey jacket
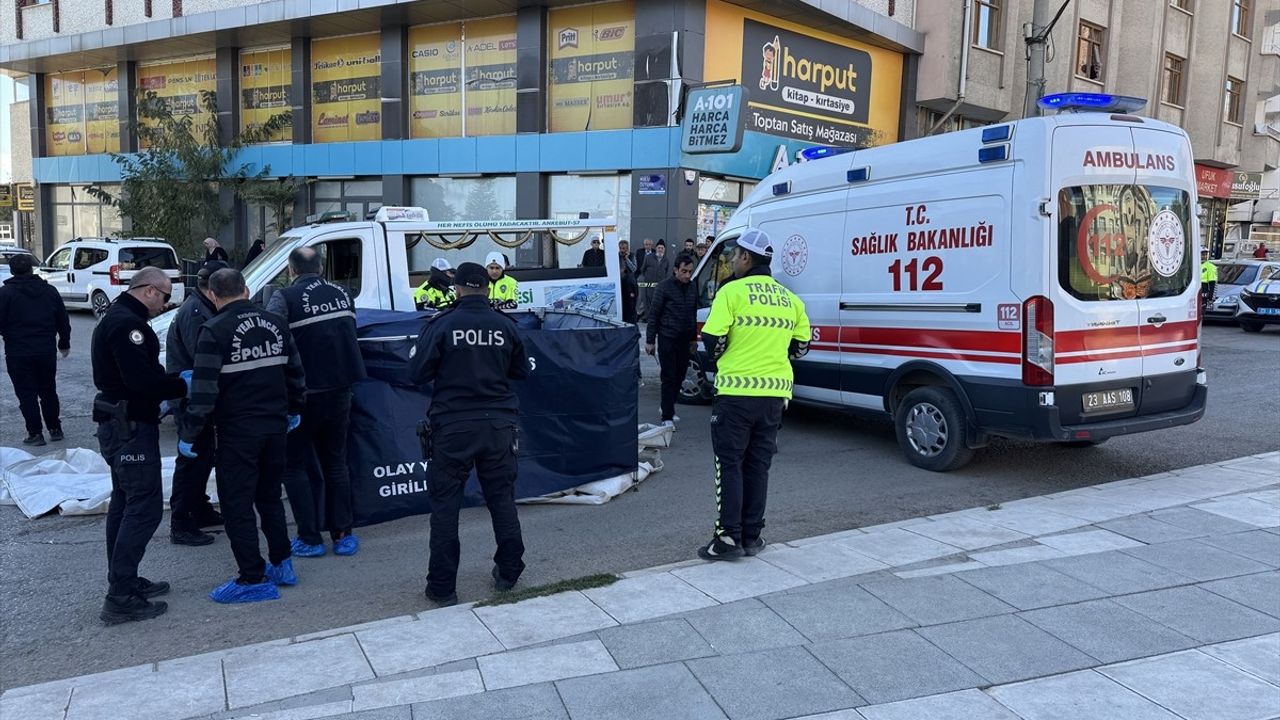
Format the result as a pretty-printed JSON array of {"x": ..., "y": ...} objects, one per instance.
[{"x": 191, "y": 509}]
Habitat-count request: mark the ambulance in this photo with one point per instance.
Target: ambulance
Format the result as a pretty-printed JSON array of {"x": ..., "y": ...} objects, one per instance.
[{"x": 1036, "y": 279}]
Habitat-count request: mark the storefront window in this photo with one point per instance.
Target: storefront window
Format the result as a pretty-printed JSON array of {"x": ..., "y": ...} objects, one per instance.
[
  {"x": 82, "y": 112},
  {"x": 592, "y": 53},
  {"x": 346, "y": 82},
  {"x": 358, "y": 197},
  {"x": 602, "y": 196},
  {"x": 440, "y": 59},
  {"x": 266, "y": 80},
  {"x": 717, "y": 199},
  {"x": 179, "y": 85},
  {"x": 489, "y": 198},
  {"x": 76, "y": 214}
]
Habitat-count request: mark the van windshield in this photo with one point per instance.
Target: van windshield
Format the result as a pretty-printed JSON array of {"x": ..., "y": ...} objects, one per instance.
[
  {"x": 715, "y": 272},
  {"x": 1124, "y": 242}
]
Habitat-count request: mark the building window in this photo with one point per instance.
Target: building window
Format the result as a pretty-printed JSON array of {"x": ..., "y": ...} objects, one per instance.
[
  {"x": 1173, "y": 66},
  {"x": 602, "y": 196},
  {"x": 591, "y": 51},
  {"x": 445, "y": 71},
  {"x": 180, "y": 85},
  {"x": 986, "y": 24},
  {"x": 1240, "y": 17},
  {"x": 1089, "y": 51},
  {"x": 80, "y": 112},
  {"x": 266, "y": 84},
  {"x": 346, "y": 83},
  {"x": 77, "y": 214},
  {"x": 1181, "y": 4},
  {"x": 1232, "y": 110}
]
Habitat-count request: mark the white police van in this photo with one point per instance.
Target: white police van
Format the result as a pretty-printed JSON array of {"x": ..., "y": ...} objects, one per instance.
[{"x": 1036, "y": 279}]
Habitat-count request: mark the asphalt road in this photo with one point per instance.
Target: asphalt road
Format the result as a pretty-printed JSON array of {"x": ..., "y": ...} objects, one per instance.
[{"x": 833, "y": 472}]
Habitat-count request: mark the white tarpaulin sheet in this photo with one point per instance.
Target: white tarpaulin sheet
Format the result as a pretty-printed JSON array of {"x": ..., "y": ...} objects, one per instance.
[{"x": 74, "y": 481}]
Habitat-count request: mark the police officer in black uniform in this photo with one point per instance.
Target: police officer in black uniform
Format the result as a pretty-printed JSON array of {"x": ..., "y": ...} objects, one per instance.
[
  {"x": 189, "y": 506},
  {"x": 322, "y": 320},
  {"x": 471, "y": 352},
  {"x": 248, "y": 379},
  {"x": 131, "y": 386}
]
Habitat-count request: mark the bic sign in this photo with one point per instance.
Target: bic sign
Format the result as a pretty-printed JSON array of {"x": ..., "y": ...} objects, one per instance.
[{"x": 713, "y": 120}]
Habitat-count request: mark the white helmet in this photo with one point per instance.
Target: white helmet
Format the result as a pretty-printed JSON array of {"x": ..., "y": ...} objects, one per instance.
[
  {"x": 441, "y": 264},
  {"x": 495, "y": 258}
]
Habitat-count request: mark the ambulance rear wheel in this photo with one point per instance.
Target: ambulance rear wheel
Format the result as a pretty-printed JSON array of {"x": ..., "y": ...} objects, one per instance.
[{"x": 931, "y": 429}]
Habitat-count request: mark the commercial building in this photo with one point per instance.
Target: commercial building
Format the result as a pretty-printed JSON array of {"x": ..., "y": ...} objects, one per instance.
[{"x": 474, "y": 110}]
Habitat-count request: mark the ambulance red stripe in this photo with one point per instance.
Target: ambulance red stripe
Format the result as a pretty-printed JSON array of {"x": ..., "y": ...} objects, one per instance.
[
  {"x": 1137, "y": 352},
  {"x": 1069, "y": 341}
]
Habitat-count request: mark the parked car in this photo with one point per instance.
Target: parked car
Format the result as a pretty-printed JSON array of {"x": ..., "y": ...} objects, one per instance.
[
  {"x": 90, "y": 273},
  {"x": 6, "y": 252},
  {"x": 1234, "y": 276},
  {"x": 1259, "y": 304}
]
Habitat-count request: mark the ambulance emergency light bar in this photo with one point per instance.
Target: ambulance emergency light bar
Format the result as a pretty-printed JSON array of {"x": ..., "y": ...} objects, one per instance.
[
  {"x": 1092, "y": 102},
  {"x": 822, "y": 151}
]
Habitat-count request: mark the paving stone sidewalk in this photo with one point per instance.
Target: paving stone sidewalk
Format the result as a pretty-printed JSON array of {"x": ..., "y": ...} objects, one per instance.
[{"x": 1155, "y": 597}]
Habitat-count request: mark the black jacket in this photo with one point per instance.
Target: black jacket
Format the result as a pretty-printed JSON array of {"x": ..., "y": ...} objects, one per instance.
[
  {"x": 180, "y": 342},
  {"x": 32, "y": 317},
  {"x": 248, "y": 376},
  {"x": 673, "y": 312},
  {"x": 126, "y": 362},
  {"x": 322, "y": 319},
  {"x": 471, "y": 353},
  {"x": 216, "y": 254},
  {"x": 593, "y": 258}
]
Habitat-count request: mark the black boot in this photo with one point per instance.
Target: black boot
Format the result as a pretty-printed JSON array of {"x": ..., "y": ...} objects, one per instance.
[
  {"x": 193, "y": 538},
  {"x": 118, "y": 609},
  {"x": 148, "y": 589},
  {"x": 500, "y": 583},
  {"x": 36, "y": 440},
  {"x": 208, "y": 517},
  {"x": 55, "y": 435}
]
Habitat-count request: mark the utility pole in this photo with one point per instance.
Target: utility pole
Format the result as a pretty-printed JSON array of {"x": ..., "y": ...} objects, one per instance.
[{"x": 1036, "y": 34}]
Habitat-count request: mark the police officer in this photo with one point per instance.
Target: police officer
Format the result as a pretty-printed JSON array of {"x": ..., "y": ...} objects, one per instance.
[
  {"x": 189, "y": 506},
  {"x": 503, "y": 289},
  {"x": 1208, "y": 278},
  {"x": 756, "y": 326},
  {"x": 131, "y": 386},
  {"x": 248, "y": 380},
  {"x": 322, "y": 320},
  {"x": 437, "y": 291},
  {"x": 471, "y": 353}
]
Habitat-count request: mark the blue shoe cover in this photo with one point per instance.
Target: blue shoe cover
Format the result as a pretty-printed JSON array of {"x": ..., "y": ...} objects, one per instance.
[
  {"x": 347, "y": 545},
  {"x": 283, "y": 573},
  {"x": 302, "y": 549},
  {"x": 233, "y": 592}
]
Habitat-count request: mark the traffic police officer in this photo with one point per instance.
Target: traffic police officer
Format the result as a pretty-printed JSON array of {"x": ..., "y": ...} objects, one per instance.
[
  {"x": 248, "y": 380},
  {"x": 189, "y": 506},
  {"x": 1208, "y": 278},
  {"x": 131, "y": 386},
  {"x": 437, "y": 291},
  {"x": 756, "y": 326},
  {"x": 471, "y": 353},
  {"x": 503, "y": 289},
  {"x": 322, "y": 320}
]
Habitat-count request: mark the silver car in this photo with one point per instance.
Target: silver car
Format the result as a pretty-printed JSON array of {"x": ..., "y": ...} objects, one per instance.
[
  {"x": 8, "y": 251},
  {"x": 1234, "y": 276}
]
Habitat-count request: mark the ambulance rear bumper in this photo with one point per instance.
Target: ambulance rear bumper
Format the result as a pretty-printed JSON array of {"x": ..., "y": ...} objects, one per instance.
[{"x": 1032, "y": 420}]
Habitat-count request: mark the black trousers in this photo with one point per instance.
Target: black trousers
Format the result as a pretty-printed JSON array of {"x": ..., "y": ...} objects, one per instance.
[
  {"x": 137, "y": 500},
  {"x": 249, "y": 471},
  {"x": 321, "y": 502},
  {"x": 489, "y": 447},
  {"x": 744, "y": 434},
  {"x": 35, "y": 383},
  {"x": 190, "y": 479},
  {"x": 673, "y": 357}
]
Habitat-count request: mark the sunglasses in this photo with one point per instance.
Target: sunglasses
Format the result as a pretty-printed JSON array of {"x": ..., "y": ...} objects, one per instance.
[{"x": 166, "y": 295}]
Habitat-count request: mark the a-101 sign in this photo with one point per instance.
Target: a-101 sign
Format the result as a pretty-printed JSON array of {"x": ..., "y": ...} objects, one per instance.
[{"x": 713, "y": 120}]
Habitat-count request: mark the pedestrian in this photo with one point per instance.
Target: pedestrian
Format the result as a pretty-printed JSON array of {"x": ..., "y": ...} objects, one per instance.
[
  {"x": 189, "y": 506},
  {"x": 699, "y": 251},
  {"x": 688, "y": 245},
  {"x": 756, "y": 327},
  {"x": 629, "y": 288},
  {"x": 672, "y": 331},
  {"x": 437, "y": 292},
  {"x": 214, "y": 251},
  {"x": 471, "y": 354},
  {"x": 35, "y": 328},
  {"x": 132, "y": 385},
  {"x": 248, "y": 381},
  {"x": 1208, "y": 278},
  {"x": 593, "y": 257},
  {"x": 504, "y": 292},
  {"x": 644, "y": 251},
  {"x": 322, "y": 320},
  {"x": 1260, "y": 252},
  {"x": 254, "y": 251},
  {"x": 655, "y": 269}
]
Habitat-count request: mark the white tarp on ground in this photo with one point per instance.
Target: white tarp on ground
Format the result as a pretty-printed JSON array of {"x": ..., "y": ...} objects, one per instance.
[
  {"x": 77, "y": 481},
  {"x": 74, "y": 481}
]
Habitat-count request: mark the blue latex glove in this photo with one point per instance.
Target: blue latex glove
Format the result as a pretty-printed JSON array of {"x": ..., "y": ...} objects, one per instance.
[
  {"x": 185, "y": 450},
  {"x": 165, "y": 409},
  {"x": 294, "y": 422},
  {"x": 186, "y": 377}
]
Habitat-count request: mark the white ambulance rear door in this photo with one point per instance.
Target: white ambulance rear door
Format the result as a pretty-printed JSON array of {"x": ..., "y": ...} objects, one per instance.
[
  {"x": 1170, "y": 328},
  {"x": 1097, "y": 264}
]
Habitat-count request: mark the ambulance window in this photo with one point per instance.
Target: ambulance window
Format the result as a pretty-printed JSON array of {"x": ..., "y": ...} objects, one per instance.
[
  {"x": 1124, "y": 242},
  {"x": 717, "y": 269}
]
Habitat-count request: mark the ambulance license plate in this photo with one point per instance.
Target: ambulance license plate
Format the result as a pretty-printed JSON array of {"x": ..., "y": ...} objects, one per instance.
[{"x": 1108, "y": 400}]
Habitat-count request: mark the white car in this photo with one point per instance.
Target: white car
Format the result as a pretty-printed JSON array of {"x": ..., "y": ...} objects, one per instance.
[
  {"x": 1233, "y": 277},
  {"x": 7, "y": 252},
  {"x": 90, "y": 273}
]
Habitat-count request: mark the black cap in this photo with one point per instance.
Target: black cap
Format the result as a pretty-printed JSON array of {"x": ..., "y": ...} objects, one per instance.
[
  {"x": 21, "y": 264},
  {"x": 471, "y": 275},
  {"x": 210, "y": 268}
]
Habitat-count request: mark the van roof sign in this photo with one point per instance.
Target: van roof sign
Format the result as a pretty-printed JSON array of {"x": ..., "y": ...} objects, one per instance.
[{"x": 1091, "y": 102}]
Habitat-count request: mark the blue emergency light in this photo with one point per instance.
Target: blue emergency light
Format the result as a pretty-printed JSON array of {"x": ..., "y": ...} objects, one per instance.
[
  {"x": 823, "y": 151},
  {"x": 1092, "y": 102}
]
